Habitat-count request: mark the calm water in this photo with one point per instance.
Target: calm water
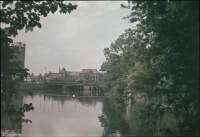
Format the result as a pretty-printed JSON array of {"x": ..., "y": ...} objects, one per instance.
[{"x": 57, "y": 113}]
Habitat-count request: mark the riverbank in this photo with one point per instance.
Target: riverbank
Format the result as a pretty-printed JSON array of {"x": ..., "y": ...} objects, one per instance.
[{"x": 25, "y": 85}]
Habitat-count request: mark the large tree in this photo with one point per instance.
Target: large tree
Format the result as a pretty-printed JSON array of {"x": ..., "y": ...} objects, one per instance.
[
  {"x": 116, "y": 64},
  {"x": 18, "y": 15},
  {"x": 165, "y": 57},
  {"x": 170, "y": 72}
]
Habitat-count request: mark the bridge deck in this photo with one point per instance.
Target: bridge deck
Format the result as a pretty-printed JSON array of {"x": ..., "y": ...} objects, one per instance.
[{"x": 72, "y": 84}]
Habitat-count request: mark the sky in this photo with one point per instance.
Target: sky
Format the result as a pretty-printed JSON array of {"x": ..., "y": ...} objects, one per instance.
[{"x": 74, "y": 41}]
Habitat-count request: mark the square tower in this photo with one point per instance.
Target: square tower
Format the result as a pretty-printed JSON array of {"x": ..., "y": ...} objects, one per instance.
[{"x": 19, "y": 49}]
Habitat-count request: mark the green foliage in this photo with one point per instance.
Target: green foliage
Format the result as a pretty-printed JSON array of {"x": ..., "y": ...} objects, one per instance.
[
  {"x": 170, "y": 64},
  {"x": 17, "y": 15},
  {"x": 116, "y": 65},
  {"x": 112, "y": 118},
  {"x": 161, "y": 58},
  {"x": 27, "y": 14}
]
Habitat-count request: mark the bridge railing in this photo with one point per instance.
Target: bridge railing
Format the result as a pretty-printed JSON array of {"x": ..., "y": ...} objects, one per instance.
[{"x": 91, "y": 82}]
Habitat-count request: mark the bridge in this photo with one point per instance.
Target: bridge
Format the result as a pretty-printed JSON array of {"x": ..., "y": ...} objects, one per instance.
[
  {"x": 73, "y": 83},
  {"x": 73, "y": 86}
]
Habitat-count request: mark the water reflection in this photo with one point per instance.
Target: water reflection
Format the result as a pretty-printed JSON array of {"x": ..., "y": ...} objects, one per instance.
[
  {"x": 7, "y": 126},
  {"x": 120, "y": 120},
  {"x": 113, "y": 119},
  {"x": 57, "y": 113}
]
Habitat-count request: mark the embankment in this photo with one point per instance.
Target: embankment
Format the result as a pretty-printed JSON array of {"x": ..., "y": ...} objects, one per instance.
[{"x": 24, "y": 85}]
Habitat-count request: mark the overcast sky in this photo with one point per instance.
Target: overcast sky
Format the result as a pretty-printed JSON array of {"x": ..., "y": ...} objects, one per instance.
[{"x": 93, "y": 26}]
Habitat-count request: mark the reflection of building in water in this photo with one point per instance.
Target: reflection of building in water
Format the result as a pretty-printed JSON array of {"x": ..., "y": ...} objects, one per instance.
[
  {"x": 71, "y": 76},
  {"x": 61, "y": 99}
]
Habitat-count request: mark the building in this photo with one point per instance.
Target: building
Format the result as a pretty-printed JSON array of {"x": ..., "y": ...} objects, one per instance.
[
  {"x": 28, "y": 78},
  {"x": 40, "y": 78},
  {"x": 73, "y": 75},
  {"x": 52, "y": 76},
  {"x": 19, "y": 49},
  {"x": 92, "y": 75},
  {"x": 63, "y": 74},
  {"x": 69, "y": 76}
]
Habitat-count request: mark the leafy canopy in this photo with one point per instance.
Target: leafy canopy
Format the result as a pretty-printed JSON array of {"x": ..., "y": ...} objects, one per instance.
[{"x": 161, "y": 60}]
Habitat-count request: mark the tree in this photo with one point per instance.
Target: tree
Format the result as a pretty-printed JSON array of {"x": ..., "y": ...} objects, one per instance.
[
  {"x": 17, "y": 16},
  {"x": 169, "y": 76},
  {"x": 161, "y": 63},
  {"x": 116, "y": 65}
]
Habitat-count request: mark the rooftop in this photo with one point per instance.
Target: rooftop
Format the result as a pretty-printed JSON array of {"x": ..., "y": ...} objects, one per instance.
[
  {"x": 89, "y": 70},
  {"x": 18, "y": 44}
]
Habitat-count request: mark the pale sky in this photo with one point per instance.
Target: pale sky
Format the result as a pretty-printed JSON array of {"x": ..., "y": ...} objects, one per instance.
[{"x": 93, "y": 26}]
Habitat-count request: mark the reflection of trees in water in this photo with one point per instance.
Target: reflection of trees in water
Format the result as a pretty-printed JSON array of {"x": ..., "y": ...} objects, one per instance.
[
  {"x": 124, "y": 120},
  {"x": 8, "y": 125},
  {"x": 113, "y": 118},
  {"x": 89, "y": 100}
]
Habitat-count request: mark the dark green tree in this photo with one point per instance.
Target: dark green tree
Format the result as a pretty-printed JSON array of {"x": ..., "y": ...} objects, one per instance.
[
  {"x": 162, "y": 62},
  {"x": 113, "y": 118},
  {"x": 116, "y": 65},
  {"x": 168, "y": 50},
  {"x": 18, "y": 15}
]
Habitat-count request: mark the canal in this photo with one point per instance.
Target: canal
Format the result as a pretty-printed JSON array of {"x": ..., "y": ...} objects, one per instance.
[{"x": 58, "y": 113}]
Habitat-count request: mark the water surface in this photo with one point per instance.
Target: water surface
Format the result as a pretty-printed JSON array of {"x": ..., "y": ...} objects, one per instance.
[{"x": 58, "y": 113}]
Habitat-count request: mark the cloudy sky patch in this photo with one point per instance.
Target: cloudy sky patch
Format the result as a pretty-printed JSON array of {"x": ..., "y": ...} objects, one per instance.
[{"x": 86, "y": 31}]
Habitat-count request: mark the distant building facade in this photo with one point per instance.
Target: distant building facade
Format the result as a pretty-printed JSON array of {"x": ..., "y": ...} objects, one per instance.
[
  {"x": 92, "y": 75},
  {"x": 19, "y": 49},
  {"x": 51, "y": 76},
  {"x": 62, "y": 74},
  {"x": 40, "y": 78},
  {"x": 34, "y": 79}
]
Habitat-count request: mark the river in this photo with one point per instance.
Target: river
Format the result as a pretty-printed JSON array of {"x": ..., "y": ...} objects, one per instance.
[{"x": 58, "y": 113}]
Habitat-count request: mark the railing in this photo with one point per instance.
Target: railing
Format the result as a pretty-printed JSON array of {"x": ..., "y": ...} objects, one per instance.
[{"x": 64, "y": 82}]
